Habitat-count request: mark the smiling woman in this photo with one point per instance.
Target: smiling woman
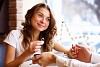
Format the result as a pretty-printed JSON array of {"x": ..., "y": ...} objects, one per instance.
[
  {"x": 22, "y": 44},
  {"x": 38, "y": 21}
]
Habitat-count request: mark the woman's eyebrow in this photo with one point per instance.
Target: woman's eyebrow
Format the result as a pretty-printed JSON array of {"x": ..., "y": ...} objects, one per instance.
[
  {"x": 43, "y": 14},
  {"x": 40, "y": 12}
]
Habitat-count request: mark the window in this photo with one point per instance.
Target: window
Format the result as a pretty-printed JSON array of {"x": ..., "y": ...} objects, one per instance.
[{"x": 77, "y": 21}]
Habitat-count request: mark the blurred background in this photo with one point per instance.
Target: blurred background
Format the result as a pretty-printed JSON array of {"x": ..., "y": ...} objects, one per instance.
[{"x": 78, "y": 21}]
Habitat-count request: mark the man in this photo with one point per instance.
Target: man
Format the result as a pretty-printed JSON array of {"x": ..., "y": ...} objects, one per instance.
[{"x": 83, "y": 54}]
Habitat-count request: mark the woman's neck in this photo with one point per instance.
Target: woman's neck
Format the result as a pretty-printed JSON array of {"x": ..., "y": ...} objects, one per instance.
[{"x": 35, "y": 36}]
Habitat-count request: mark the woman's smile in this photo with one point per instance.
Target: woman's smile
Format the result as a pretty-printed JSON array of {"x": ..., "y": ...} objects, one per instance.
[{"x": 40, "y": 25}]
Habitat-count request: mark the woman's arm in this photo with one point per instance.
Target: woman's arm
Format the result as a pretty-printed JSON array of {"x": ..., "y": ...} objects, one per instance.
[
  {"x": 11, "y": 61},
  {"x": 61, "y": 48}
]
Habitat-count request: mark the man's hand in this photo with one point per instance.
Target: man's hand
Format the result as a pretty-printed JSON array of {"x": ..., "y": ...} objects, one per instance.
[
  {"x": 83, "y": 53},
  {"x": 44, "y": 59}
]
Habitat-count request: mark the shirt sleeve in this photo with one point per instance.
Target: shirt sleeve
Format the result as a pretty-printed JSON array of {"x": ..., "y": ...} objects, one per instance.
[
  {"x": 77, "y": 63},
  {"x": 64, "y": 62},
  {"x": 95, "y": 58},
  {"x": 11, "y": 39}
]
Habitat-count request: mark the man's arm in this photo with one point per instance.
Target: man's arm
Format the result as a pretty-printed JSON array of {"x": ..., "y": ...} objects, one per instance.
[
  {"x": 48, "y": 58},
  {"x": 63, "y": 62}
]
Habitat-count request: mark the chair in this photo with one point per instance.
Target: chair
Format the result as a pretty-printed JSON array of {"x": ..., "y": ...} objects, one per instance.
[{"x": 2, "y": 54}]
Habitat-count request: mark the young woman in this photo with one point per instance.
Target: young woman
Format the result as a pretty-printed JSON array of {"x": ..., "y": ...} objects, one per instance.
[{"x": 22, "y": 44}]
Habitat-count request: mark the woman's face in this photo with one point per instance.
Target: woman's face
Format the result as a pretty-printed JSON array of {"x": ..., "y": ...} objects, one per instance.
[{"x": 40, "y": 20}]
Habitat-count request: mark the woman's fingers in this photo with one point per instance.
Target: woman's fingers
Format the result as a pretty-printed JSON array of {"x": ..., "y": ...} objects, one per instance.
[
  {"x": 74, "y": 50},
  {"x": 40, "y": 42},
  {"x": 35, "y": 45}
]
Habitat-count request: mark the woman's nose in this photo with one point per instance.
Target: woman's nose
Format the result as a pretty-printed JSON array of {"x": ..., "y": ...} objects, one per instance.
[{"x": 43, "y": 20}]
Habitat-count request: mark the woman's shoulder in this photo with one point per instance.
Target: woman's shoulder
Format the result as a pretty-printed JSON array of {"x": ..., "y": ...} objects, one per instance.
[
  {"x": 15, "y": 33},
  {"x": 16, "y": 30}
]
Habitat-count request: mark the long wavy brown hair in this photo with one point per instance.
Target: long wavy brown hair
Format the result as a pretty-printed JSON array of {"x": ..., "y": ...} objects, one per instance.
[{"x": 48, "y": 34}]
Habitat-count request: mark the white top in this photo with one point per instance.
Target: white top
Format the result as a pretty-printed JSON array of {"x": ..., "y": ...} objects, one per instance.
[
  {"x": 64, "y": 62},
  {"x": 14, "y": 39}
]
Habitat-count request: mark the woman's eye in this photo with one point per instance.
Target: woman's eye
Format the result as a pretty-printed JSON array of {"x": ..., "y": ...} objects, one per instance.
[
  {"x": 48, "y": 19},
  {"x": 40, "y": 15}
]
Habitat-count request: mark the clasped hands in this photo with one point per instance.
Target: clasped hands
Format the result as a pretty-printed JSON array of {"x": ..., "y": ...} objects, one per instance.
[{"x": 79, "y": 52}]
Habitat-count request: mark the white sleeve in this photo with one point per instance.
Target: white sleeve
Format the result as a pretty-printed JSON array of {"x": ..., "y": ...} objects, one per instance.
[
  {"x": 76, "y": 63},
  {"x": 64, "y": 62},
  {"x": 11, "y": 39},
  {"x": 95, "y": 58}
]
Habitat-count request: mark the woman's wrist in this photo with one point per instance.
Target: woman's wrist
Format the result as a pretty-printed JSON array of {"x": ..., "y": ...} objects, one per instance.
[{"x": 29, "y": 51}]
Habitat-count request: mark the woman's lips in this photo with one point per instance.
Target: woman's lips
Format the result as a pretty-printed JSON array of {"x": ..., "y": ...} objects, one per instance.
[{"x": 40, "y": 25}]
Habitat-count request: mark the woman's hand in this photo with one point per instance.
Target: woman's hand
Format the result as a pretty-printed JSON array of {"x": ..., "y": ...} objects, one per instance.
[
  {"x": 73, "y": 52},
  {"x": 35, "y": 46}
]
